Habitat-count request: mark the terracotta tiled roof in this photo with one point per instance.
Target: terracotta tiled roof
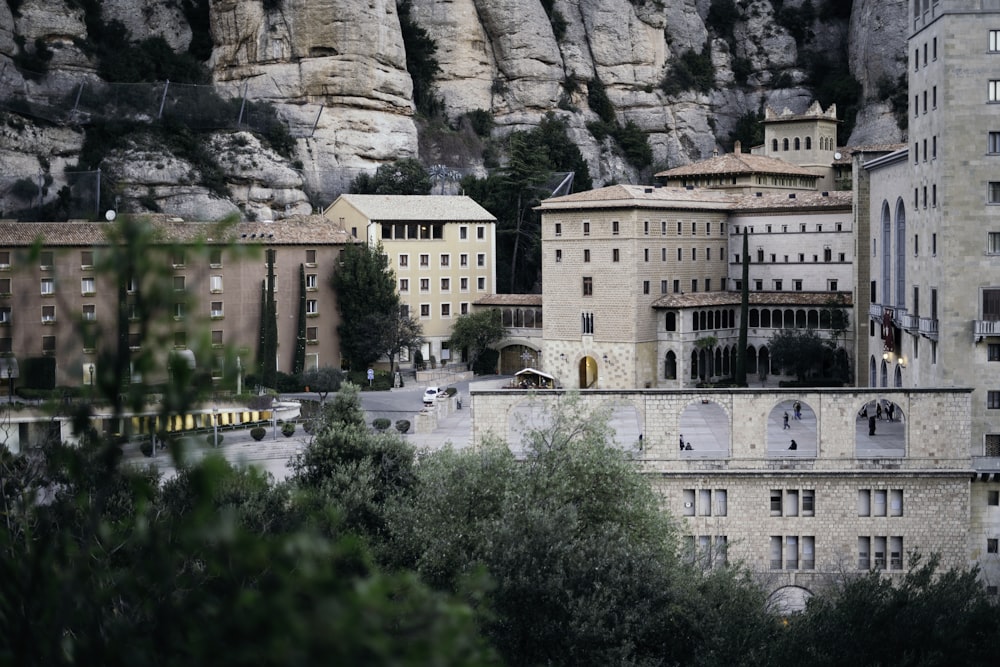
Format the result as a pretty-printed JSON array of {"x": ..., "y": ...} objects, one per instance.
[
  {"x": 647, "y": 196},
  {"x": 770, "y": 200},
  {"x": 509, "y": 300},
  {"x": 444, "y": 208},
  {"x": 703, "y": 299},
  {"x": 847, "y": 152},
  {"x": 733, "y": 163},
  {"x": 295, "y": 230}
]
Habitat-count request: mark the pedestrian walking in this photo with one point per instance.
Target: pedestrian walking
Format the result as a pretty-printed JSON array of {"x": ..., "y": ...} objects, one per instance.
[
  {"x": 878, "y": 410},
  {"x": 891, "y": 410},
  {"x": 785, "y": 421},
  {"x": 798, "y": 410},
  {"x": 871, "y": 425},
  {"x": 682, "y": 442}
]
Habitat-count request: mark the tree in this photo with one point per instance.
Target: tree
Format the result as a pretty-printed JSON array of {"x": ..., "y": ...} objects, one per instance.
[
  {"x": 299, "y": 360},
  {"x": 402, "y": 177},
  {"x": 268, "y": 357},
  {"x": 366, "y": 295},
  {"x": 400, "y": 331},
  {"x": 798, "y": 350},
  {"x": 322, "y": 380},
  {"x": 476, "y": 332}
]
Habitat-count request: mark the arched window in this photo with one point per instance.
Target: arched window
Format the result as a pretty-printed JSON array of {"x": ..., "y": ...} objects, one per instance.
[
  {"x": 671, "y": 321},
  {"x": 518, "y": 318},
  {"x": 765, "y": 318},
  {"x": 694, "y": 365},
  {"x": 508, "y": 317},
  {"x": 704, "y": 320},
  {"x": 871, "y": 372},
  {"x": 809, "y": 143},
  {"x": 784, "y": 144},
  {"x": 774, "y": 145},
  {"x": 900, "y": 254},
  {"x": 670, "y": 366},
  {"x": 754, "y": 318},
  {"x": 812, "y": 319},
  {"x": 899, "y": 377},
  {"x": 694, "y": 321},
  {"x": 797, "y": 145},
  {"x": 800, "y": 319},
  {"x": 884, "y": 375},
  {"x": 789, "y": 319},
  {"x": 529, "y": 318},
  {"x": 886, "y": 255}
]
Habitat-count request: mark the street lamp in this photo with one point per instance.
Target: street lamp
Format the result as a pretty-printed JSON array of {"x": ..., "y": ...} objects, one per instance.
[
  {"x": 10, "y": 382},
  {"x": 215, "y": 425},
  {"x": 90, "y": 367}
]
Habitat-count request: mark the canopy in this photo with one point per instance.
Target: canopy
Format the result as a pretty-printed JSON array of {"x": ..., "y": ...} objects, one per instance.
[{"x": 534, "y": 378}]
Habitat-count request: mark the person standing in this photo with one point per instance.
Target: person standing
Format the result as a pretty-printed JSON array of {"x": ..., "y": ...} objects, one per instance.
[
  {"x": 878, "y": 410},
  {"x": 798, "y": 410},
  {"x": 871, "y": 425},
  {"x": 785, "y": 421}
]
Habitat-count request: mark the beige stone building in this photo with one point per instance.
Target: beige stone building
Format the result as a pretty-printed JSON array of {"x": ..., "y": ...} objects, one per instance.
[
  {"x": 442, "y": 249},
  {"x": 54, "y": 282}
]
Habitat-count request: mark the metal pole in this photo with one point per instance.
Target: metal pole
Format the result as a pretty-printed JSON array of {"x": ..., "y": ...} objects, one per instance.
[
  {"x": 163, "y": 99},
  {"x": 215, "y": 424},
  {"x": 243, "y": 104}
]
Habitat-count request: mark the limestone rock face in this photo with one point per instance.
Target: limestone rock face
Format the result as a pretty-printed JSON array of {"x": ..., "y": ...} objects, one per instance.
[{"x": 335, "y": 70}]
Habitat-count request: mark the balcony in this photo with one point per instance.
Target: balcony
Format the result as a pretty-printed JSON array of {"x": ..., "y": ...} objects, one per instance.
[
  {"x": 875, "y": 311},
  {"x": 985, "y": 328},
  {"x": 898, "y": 315},
  {"x": 909, "y": 322},
  {"x": 929, "y": 327}
]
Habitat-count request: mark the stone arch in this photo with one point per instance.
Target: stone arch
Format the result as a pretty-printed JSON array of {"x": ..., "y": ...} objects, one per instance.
[
  {"x": 897, "y": 377},
  {"x": 789, "y": 600},
  {"x": 789, "y": 316},
  {"x": 802, "y": 430},
  {"x": 765, "y": 318},
  {"x": 776, "y": 318},
  {"x": 507, "y": 317},
  {"x": 809, "y": 143},
  {"x": 798, "y": 144},
  {"x": 704, "y": 425},
  {"x": 886, "y": 253},
  {"x": 889, "y": 437},
  {"x": 800, "y": 319},
  {"x": 726, "y": 367},
  {"x": 515, "y": 355},
  {"x": 670, "y": 321},
  {"x": 763, "y": 362},
  {"x": 784, "y": 144},
  {"x": 587, "y": 372},
  {"x": 626, "y": 424},
  {"x": 754, "y": 320},
  {"x": 812, "y": 319},
  {"x": 751, "y": 360}
]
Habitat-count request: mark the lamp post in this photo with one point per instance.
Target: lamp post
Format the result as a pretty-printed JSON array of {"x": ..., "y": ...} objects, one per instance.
[
  {"x": 90, "y": 368},
  {"x": 10, "y": 382},
  {"x": 215, "y": 425}
]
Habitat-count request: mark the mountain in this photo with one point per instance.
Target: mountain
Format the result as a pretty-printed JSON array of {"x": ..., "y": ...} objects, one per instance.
[{"x": 274, "y": 106}]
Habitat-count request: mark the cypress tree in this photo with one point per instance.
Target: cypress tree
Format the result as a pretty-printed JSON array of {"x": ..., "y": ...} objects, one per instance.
[{"x": 269, "y": 329}]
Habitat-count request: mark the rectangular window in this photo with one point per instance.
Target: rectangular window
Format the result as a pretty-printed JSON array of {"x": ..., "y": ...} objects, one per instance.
[
  {"x": 216, "y": 309},
  {"x": 310, "y": 257},
  {"x": 480, "y": 232},
  {"x": 896, "y": 502},
  {"x": 48, "y": 344},
  {"x": 586, "y": 254},
  {"x": 4, "y": 260},
  {"x": 463, "y": 284},
  {"x": 994, "y": 41},
  {"x": 177, "y": 258},
  {"x": 864, "y": 553},
  {"x": 481, "y": 259},
  {"x": 87, "y": 286},
  {"x": 558, "y": 255},
  {"x": 680, "y": 255},
  {"x": 776, "y": 502},
  {"x": 46, "y": 260},
  {"x": 481, "y": 284},
  {"x": 312, "y": 334},
  {"x": 463, "y": 308},
  {"x": 663, "y": 287},
  {"x": 215, "y": 258},
  {"x": 48, "y": 314},
  {"x": 404, "y": 261},
  {"x": 831, "y": 285},
  {"x": 615, "y": 256},
  {"x": 993, "y": 352},
  {"x": 645, "y": 227},
  {"x": 645, "y": 287},
  {"x": 688, "y": 500},
  {"x": 179, "y": 309},
  {"x": 777, "y": 285},
  {"x": 993, "y": 143},
  {"x": 312, "y": 307},
  {"x": 677, "y": 286},
  {"x": 694, "y": 285},
  {"x": 425, "y": 284},
  {"x": 808, "y": 502},
  {"x": 86, "y": 259},
  {"x": 808, "y": 561},
  {"x": 791, "y": 503},
  {"x": 446, "y": 284},
  {"x": 586, "y": 229},
  {"x": 178, "y": 283},
  {"x": 705, "y": 502},
  {"x": 993, "y": 498},
  {"x": 588, "y": 286},
  {"x": 993, "y": 91},
  {"x": 89, "y": 312},
  {"x": 614, "y": 227},
  {"x": 879, "y": 502},
  {"x": 48, "y": 286},
  {"x": 215, "y": 284},
  {"x": 587, "y": 321},
  {"x": 994, "y": 192},
  {"x": 311, "y": 281},
  {"x": 425, "y": 260},
  {"x": 445, "y": 310},
  {"x": 404, "y": 285},
  {"x": 775, "y": 552},
  {"x": 445, "y": 260},
  {"x": 463, "y": 232},
  {"x": 5, "y": 314},
  {"x": 463, "y": 260},
  {"x": 797, "y": 285},
  {"x": 645, "y": 254},
  {"x": 663, "y": 228},
  {"x": 558, "y": 229},
  {"x": 425, "y": 310},
  {"x": 993, "y": 400}
]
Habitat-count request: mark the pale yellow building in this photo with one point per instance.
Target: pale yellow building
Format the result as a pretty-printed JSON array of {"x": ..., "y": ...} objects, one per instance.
[{"x": 441, "y": 248}]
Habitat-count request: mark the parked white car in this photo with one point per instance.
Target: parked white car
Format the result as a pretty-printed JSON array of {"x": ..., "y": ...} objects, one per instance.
[{"x": 430, "y": 394}]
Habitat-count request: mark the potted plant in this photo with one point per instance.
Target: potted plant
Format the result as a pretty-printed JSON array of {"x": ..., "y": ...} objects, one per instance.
[
  {"x": 258, "y": 433},
  {"x": 403, "y": 425},
  {"x": 381, "y": 424},
  {"x": 288, "y": 429}
]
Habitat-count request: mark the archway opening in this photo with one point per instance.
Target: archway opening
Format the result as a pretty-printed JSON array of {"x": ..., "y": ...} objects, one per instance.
[{"x": 588, "y": 372}]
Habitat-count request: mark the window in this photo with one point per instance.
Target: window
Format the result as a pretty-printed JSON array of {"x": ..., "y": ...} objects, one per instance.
[
  {"x": 5, "y": 314},
  {"x": 312, "y": 307},
  {"x": 178, "y": 283},
  {"x": 404, "y": 261},
  {"x": 587, "y": 323},
  {"x": 179, "y": 310},
  {"x": 481, "y": 284},
  {"x": 445, "y": 310},
  {"x": 645, "y": 287},
  {"x": 663, "y": 287},
  {"x": 993, "y": 400},
  {"x": 992, "y": 545},
  {"x": 86, "y": 259},
  {"x": 216, "y": 310},
  {"x": 993, "y": 352},
  {"x": 310, "y": 257},
  {"x": 481, "y": 259},
  {"x": 215, "y": 284},
  {"x": 645, "y": 254},
  {"x": 446, "y": 284},
  {"x": 87, "y": 286},
  {"x": 48, "y": 344},
  {"x": 831, "y": 285},
  {"x": 615, "y": 256},
  {"x": 404, "y": 284},
  {"x": 310, "y": 281},
  {"x": 776, "y": 505},
  {"x": 4, "y": 260},
  {"x": 993, "y": 91},
  {"x": 6, "y": 345},
  {"x": 425, "y": 284},
  {"x": 89, "y": 312},
  {"x": 993, "y": 143},
  {"x": 694, "y": 284},
  {"x": 558, "y": 229},
  {"x": 758, "y": 285},
  {"x": 777, "y": 285},
  {"x": 48, "y": 314},
  {"x": 614, "y": 227},
  {"x": 177, "y": 258},
  {"x": 463, "y": 260},
  {"x": 808, "y": 502},
  {"x": 46, "y": 260},
  {"x": 993, "y": 498},
  {"x": 680, "y": 255},
  {"x": 463, "y": 232},
  {"x": 797, "y": 285},
  {"x": 586, "y": 229},
  {"x": 588, "y": 287},
  {"x": 463, "y": 308},
  {"x": 217, "y": 338},
  {"x": 994, "y": 40},
  {"x": 463, "y": 284},
  {"x": 663, "y": 254},
  {"x": 677, "y": 286},
  {"x": 425, "y": 260},
  {"x": 48, "y": 286},
  {"x": 480, "y": 232},
  {"x": 445, "y": 260},
  {"x": 215, "y": 258},
  {"x": 558, "y": 255},
  {"x": 645, "y": 227},
  {"x": 425, "y": 310},
  {"x": 180, "y": 339}
]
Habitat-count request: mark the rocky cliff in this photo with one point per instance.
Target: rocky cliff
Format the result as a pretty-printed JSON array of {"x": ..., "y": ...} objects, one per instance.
[{"x": 684, "y": 72}]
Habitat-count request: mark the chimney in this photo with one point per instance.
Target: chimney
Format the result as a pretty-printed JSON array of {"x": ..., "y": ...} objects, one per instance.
[{"x": 738, "y": 147}]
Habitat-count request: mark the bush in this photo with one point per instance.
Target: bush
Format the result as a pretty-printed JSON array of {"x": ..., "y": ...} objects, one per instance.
[
  {"x": 381, "y": 424},
  {"x": 288, "y": 429},
  {"x": 210, "y": 439},
  {"x": 450, "y": 391},
  {"x": 146, "y": 447},
  {"x": 309, "y": 426},
  {"x": 24, "y": 189},
  {"x": 403, "y": 425},
  {"x": 481, "y": 122},
  {"x": 692, "y": 71},
  {"x": 258, "y": 433}
]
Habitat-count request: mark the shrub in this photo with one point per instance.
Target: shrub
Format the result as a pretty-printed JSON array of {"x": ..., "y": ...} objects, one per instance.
[
  {"x": 481, "y": 122},
  {"x": 403, "y": 425},
  {"x": 24, "y": 189},
  {"x": 258, "y": 433},
  {"x": 692, "y": 71},
  {"x": 210, "y": 439},
  {"x": 288, "y": 429},
  {"x": 309, "y": 426},
  {"x": 450, "y": 391},
  {"x": 381, "y": 424},
  {"x": 146, "y": 447}
]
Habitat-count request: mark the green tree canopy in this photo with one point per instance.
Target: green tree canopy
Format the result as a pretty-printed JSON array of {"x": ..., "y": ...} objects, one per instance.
[
  {"x": 798, "y": 350},
  {"x": 476, "y": 332},
  {"x": 322, "y": 380},
  {"x": 402, "y": 177},
  {"x": 366, "y": 292}
]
